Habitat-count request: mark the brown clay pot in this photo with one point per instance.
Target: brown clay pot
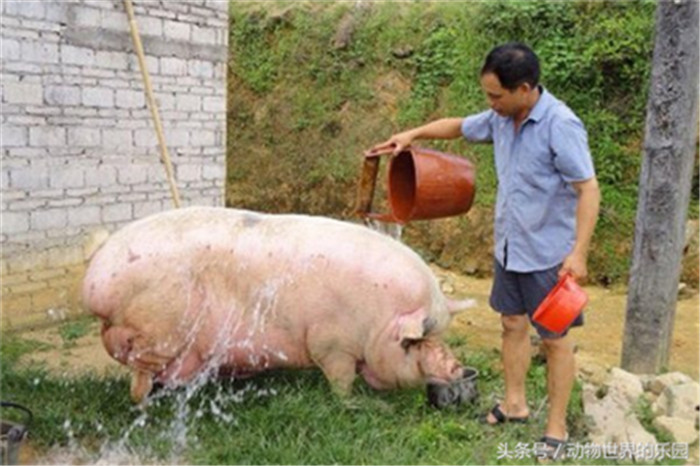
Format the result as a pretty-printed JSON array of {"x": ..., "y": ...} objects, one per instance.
[{"x": 423, "y": 184}]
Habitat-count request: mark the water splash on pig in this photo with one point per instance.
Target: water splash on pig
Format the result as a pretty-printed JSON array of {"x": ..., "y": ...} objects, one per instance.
[
  {"x": 393, "y": 230},
  {"x": 186, "y": 402}
]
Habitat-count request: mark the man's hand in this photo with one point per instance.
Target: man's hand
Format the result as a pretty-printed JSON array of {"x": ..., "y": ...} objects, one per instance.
[
  {"x": 444, "y": 128},
  {"x": 394, "y": 145},
  {"x": 588, "y": 194},
  {"x": 575, "y": 264}
]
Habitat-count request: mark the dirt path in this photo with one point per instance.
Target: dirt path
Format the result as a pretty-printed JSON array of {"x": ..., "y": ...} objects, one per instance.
[{"x": 599, "y": 340}]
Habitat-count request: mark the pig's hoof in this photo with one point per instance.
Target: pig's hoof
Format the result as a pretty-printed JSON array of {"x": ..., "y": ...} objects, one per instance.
[
  {"x": 380, "y": 406},
  {"x": 351, "y": 403}
]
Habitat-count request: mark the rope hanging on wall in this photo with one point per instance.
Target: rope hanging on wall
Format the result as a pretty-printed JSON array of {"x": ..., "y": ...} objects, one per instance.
[{"x": 165, "y": 157}]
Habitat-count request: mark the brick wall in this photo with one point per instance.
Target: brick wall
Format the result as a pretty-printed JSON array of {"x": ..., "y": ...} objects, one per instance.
[{"x": 79, "y": 152}]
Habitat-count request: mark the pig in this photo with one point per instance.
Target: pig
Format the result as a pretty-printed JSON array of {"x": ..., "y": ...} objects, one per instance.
[{"x": 193, "y": 288}]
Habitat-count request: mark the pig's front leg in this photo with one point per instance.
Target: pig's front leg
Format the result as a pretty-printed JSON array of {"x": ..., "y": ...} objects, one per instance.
[
  {"x": 339, "y": 369},
  {"x": 327, "y": 352},
  {"x": 337, "y": 366},
  {"x": 141, "y": 385}
]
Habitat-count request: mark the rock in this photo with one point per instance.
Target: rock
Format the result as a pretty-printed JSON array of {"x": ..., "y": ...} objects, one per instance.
[
  {"x": 470, "y": 267},
  {"x": 345, "y": 31},
  {"x": 593, "y": 372},
  {"x": 280, "y": 17},
  {"x": 611, "y": 418},
  {"x": 681, "y": 401},
  {"x": 684, "y": 291},
  {"x": 447, "y": 287},
  {"x": 646, "y": 380},
  {"x": 402, "y": 52},
  {"x": 682, "y": 430},
  {"x": 659, "y": 383},
  {"x": 650, "y": 397},
  {"x": 627, "y": 384}
]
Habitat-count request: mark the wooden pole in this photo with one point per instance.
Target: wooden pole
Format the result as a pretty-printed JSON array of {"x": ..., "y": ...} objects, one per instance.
[
  {"x": 165, "y": 157},
  {"x": 664, "y": 188}
]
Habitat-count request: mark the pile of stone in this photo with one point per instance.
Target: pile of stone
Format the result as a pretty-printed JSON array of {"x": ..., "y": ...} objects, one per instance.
[{"x": 613, "y": 406}]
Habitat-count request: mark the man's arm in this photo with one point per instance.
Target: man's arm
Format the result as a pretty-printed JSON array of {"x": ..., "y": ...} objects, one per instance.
[
  {"x": 445, "y": 128},
  {"x": 586, "y": 217}
]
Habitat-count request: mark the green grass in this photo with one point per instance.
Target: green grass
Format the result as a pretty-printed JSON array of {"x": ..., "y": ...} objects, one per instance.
[
  {"x": 286, "y": 417},
  {"x": 72, "y": 330}
]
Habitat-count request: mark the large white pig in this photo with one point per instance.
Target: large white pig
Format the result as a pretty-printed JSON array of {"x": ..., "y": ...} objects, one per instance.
[{"x": 202, "y": 287}]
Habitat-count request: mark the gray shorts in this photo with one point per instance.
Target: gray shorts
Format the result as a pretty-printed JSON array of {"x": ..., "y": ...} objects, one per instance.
[{"x": 516, "y": 293}]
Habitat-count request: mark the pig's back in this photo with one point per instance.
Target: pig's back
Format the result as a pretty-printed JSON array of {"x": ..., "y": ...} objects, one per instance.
[{"x": 161, "y": 269}]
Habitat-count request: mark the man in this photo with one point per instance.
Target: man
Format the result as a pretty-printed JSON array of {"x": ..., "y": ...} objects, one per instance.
[{"x": 546, "y": 210}]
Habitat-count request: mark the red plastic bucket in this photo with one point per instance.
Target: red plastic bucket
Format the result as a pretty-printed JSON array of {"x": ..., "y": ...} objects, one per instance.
[{"x": 561, "y": 306}]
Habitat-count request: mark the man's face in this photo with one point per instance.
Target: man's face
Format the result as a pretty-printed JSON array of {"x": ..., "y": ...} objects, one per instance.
[{"x": 505, "y": 102}]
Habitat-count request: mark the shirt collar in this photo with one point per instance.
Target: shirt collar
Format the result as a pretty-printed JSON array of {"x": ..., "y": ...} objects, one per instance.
[{"x": 543, "y": 103}]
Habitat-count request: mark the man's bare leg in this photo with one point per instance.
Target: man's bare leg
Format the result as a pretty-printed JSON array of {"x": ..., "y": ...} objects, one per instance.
[
  {"x": 515, "y": 353},
  {"x": 561, "y": 370}
]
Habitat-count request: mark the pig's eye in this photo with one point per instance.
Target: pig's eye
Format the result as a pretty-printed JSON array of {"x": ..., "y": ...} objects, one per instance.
[{"x": 406, "y": 343}]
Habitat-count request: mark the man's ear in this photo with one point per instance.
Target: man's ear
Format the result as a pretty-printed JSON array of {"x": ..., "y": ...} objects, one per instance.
[{"x": 525, "y": 88}]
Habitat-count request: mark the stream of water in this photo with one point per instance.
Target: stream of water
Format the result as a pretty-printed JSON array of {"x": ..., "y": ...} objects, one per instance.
[{"x": 393, "y": 230}]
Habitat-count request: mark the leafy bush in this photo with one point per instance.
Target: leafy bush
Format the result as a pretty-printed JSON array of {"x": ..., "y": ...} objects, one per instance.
[{"x": 435, "y": 67}]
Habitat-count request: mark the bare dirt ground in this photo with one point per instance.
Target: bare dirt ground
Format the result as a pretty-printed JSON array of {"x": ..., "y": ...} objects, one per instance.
[{"x": 599, "y": 341}]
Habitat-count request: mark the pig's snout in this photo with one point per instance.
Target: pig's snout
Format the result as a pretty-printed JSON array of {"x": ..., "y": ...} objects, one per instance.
[
  {"x": 438, "y": 364},
  {"x": 451, "y": 372}
]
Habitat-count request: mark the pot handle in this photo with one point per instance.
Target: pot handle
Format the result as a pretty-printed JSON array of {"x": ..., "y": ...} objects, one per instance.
[{"x": 366, "y": 186}]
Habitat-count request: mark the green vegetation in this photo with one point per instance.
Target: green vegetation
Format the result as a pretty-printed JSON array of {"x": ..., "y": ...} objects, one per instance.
[
  {"x": 645, "y": 415},
  {"x": 72, "y": 330},
  {"x": 305, "y": 102},
  {"x": 278, "y": 418}
]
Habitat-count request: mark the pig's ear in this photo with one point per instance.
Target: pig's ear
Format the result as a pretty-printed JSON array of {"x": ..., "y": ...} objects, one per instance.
[
  {"x": 455, "y": 307},
  {"x": 414, "y": 325}
]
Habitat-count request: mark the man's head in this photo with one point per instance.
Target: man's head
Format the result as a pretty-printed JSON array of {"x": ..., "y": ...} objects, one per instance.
[{"x": 509, "y": 75}]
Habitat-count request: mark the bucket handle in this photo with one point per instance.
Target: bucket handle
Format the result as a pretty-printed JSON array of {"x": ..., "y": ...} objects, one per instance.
[
  {"x": 17, "y": 433},
  {"x": 367, "y": 185},
  {"x": 366, "y": 188},
  {"x": 568, "y": 275}
]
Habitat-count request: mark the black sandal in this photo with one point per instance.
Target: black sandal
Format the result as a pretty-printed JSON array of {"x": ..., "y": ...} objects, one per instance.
[
  {"x": 501, "y": 418},
  {"x": 554, "y": 448}
]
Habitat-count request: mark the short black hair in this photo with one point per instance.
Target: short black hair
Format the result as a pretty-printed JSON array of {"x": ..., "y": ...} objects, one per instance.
[{"x": 514, "y": 64}]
